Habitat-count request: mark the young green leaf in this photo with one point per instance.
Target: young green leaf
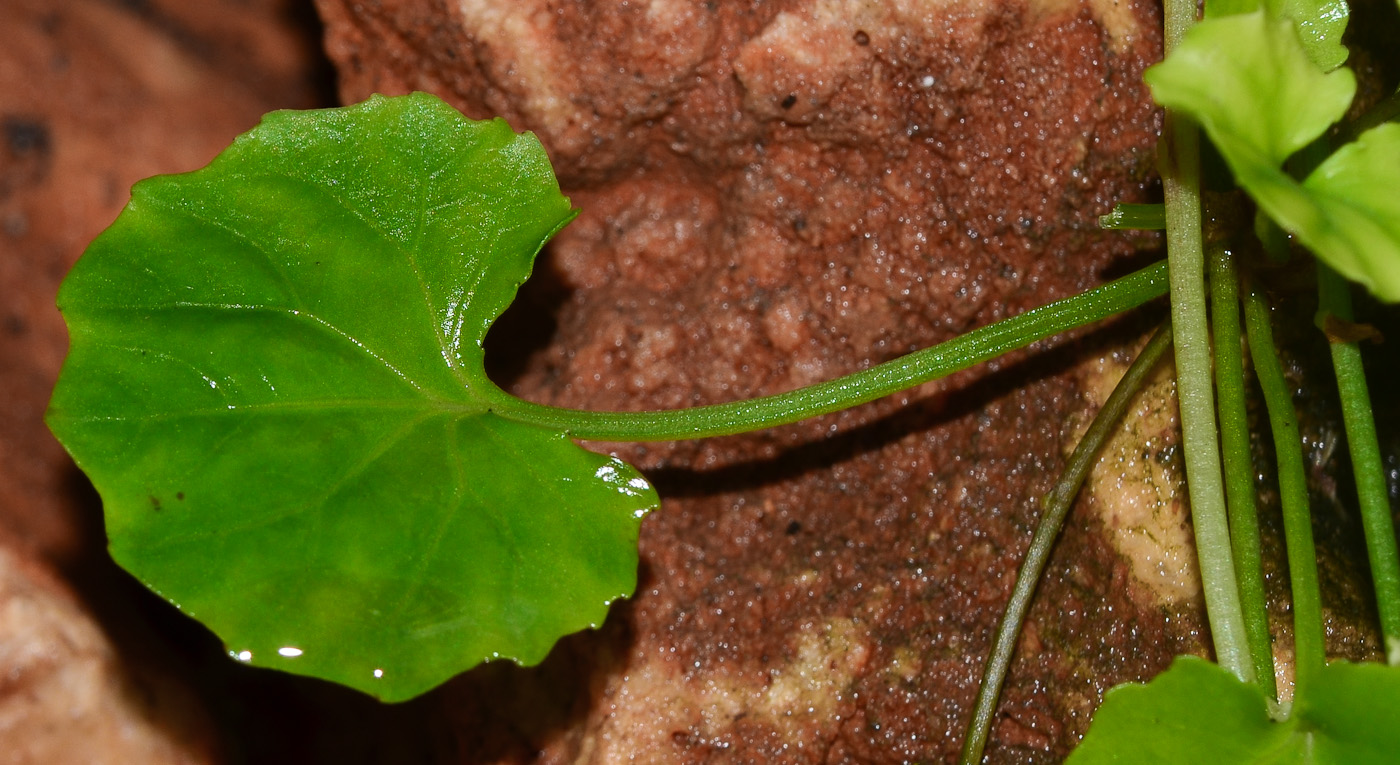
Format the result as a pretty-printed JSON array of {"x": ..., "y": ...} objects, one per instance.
[
  {"x": 1354, "y": 223},
  {"x": 1198, "y": 712},
  {"x": 1320, "y": 24},
  {"x": 274, "y": 383},
  {"x": 1248, "y": 81}
]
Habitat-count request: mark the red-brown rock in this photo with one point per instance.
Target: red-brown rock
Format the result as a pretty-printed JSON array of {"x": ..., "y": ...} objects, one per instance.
[
  {"x": 94, "y": 96},
  {"x": 775, "y": 194}
]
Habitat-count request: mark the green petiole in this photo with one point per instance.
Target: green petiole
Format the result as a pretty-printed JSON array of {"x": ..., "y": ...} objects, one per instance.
[
  {"x": 1335, "y": 301},
  {"x": 1181, "y": 189},
  {"x": 1150, "y": 217},
  {"x": 1057, "y": 506},
  {"x": 1239, "y": 470},
  {"x": 1387, "y": 110},
  {"x": 1180, "y": 165},
  {"x": 1309, "y": 654},
  {"x": 842, "y": 393}
]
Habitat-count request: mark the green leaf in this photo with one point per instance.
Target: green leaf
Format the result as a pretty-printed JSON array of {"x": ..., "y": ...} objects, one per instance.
[
  {"x": 1198, "y": 712},
  {"x": 1354, "y": 220},
  {"x": 1320, "y": 24},
  {"x": 275, "y": 382},
  {"x": 1350, "y": 715},
  {"x": 1249, "y": 83}
]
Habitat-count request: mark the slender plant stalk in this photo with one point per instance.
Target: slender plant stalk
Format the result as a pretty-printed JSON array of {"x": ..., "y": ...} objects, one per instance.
[
  {"x": 891, "y": 377},
  {"x": 1057, "y": 505},
  {"x": 1293, "y": 493},
  {"x": 1239, "y": 468},
  {"x": 1387, "y": 110},
  {"x": 1180, "y": 168},
  {"x": 1151, "y": 217},
  {"x": 1335, "y": 299}
]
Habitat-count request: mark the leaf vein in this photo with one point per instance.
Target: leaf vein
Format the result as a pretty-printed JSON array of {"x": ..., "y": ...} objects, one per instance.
[
  {"x": 316, "y": 500},
  {"x": 254, "y": 245},
  {"x": 291, "y": 313}
]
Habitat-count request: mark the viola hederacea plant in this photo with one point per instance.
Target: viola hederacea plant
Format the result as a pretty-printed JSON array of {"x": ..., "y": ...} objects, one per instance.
[{"x": 276, "y": 382}]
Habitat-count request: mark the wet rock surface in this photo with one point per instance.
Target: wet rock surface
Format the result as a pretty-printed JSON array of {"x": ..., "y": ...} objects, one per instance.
[
  {"x": 66, "y": 695},
  {"x": 95, "y": 95},
  {"x": 774, "y": 194}
]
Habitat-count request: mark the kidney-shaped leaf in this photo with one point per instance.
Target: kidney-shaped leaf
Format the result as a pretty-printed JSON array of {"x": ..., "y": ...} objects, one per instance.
[
  {"x": 275, "y": 384},
  {"x": 1197, "y": 711}
]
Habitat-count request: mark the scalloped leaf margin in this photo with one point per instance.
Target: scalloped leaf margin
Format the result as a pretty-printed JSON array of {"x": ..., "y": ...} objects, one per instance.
[{"x": 274, "y": 383}]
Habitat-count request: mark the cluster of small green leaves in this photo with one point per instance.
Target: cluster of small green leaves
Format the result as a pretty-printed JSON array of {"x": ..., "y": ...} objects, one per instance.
[
  {"x": 1262, "y": 92},
  {"x": 1266, "y": 84}
]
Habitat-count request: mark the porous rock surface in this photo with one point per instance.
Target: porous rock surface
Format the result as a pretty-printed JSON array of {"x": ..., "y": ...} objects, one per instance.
[
  {"x": 66, "y": 696},
  {"x": 95, "y": 95},
  {"x": 774, "y": 194}
]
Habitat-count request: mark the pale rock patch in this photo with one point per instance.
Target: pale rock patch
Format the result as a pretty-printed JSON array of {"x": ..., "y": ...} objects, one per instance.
[{"x": 1137, "y": 488}]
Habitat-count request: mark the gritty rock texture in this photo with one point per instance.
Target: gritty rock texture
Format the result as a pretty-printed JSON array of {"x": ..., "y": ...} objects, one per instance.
[
  {"x": 773, "y": 194},
  {"x": 95, "y": 95},
  {"x": 65, "y": 695},
  {"x": 1138, "y": 485}
]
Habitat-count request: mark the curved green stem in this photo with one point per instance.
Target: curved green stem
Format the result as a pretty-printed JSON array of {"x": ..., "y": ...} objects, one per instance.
[
  {"x": 823, "y": 398},
  {"x": 1293, "y": 493},
  {"x": 1057, "y": 506},
  {"x": 1387, "y": 110},
  {"x": 1371, "y": 494},
  {"x": 1239, "y": 464}
]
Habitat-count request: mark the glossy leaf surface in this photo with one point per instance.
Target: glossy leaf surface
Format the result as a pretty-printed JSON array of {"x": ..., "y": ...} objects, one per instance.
[
  {"x": 1355, "y": 215},
  {"x": 1248, "y": 81},
  {"x": 274, "y": 384},
  {"x": 1198, "y": 712},
  {"x": 1320, "y": 24}
]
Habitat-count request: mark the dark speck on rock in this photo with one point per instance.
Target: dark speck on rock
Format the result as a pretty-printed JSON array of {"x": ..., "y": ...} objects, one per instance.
[{"x": 26, "y": 136}]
